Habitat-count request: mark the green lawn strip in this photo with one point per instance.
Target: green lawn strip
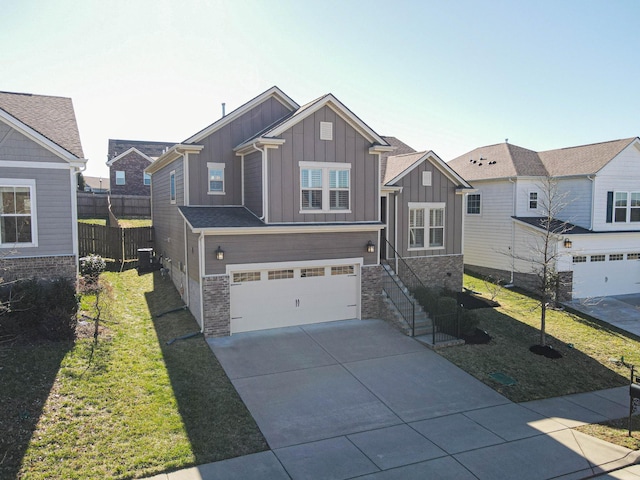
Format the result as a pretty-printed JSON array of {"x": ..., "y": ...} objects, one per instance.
[
  {"x": 93, "y": 221},
  {"x": 139, "y": 407},
  {"x": 586, "y": 365},
  {"x": 124, "y": 222},
  {"x": 616, "y": 431}
]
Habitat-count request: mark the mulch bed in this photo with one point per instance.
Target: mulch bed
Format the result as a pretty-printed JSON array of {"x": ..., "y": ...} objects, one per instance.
[{"x": 546, "y": 350}]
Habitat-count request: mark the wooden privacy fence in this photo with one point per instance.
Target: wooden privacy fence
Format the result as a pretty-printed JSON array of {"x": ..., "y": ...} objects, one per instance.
[
  {"x": 120, "y": 244},
  {"x": 95, "y": 205}
]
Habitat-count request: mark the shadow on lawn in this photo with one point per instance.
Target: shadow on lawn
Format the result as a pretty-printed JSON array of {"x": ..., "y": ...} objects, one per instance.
[
  {"x": 216, "y": 420},
  {"x": 536, "y": 376},
  {"x": 27, "y": 375}
]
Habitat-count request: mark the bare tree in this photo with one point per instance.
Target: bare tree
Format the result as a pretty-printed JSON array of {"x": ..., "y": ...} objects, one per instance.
[{"x": 543, "y": 252}]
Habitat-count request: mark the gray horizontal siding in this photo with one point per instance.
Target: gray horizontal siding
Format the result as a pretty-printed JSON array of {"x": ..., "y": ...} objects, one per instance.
[
  {"x": 239, "y": 249},
  {"x": 53, "y": 211},
  {"x": 18, "y": 147}
]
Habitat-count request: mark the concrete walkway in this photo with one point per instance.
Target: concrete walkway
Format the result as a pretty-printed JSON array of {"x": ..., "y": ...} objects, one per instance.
[{"x": 357, "y": 399}]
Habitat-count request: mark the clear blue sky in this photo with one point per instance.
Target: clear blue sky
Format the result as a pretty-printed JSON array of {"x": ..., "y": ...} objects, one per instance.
[{"x": 446, "y": 76}]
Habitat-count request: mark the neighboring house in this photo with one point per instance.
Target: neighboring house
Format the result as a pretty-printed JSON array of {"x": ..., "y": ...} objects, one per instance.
[
  {"x": 600, "y": 183},
  {"x": 127, "y": 161},
  {"x": 40, "y": 156},
  {"x": 272, "y": 215},
  {"x": 96, "y": 184}
]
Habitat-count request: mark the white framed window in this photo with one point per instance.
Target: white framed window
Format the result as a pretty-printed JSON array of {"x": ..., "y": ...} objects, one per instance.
[
  {"x": 120, "y": 177},
  {"x": 426, "y": 226},
  {"x": 325, "y": 187},
  {"x": 17, "y": 213},
  {"x": 172, "y": 186},
  {"x": 620, "y": 207},
  {"x": 634, "y": 207},
  {"x": 215, "y": 178},
  {"x": 533, "y": 200},
  {"x": 146, "y": 178},
  {"x": 473, "y": 204}
]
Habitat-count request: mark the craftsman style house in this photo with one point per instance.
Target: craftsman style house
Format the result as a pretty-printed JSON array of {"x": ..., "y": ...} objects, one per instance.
[
  {"x": 598, "y": 227},
  {"x": 276, "y": 215},
  {"x": 40, "y": 156}
]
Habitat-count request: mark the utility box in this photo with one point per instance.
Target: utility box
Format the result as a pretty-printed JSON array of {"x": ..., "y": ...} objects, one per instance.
[{"x": 145, "y": 259}]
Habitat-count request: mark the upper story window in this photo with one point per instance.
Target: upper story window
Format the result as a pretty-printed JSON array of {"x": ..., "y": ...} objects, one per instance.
[
  {"x": 216, "y": 178},
  {"x": 146, "y": 179},
  {"x": 426, "y": 226},
  {"x": 325, "y": 187},
  {"x": 17, "y": 213},
  {"x": 172, "y": 186},
  {"x": 623, "y": 207},
  {"x": 120, "y": 177},
  {"x": 533, "y": 200},
  {"x": 473, "y": 204}
]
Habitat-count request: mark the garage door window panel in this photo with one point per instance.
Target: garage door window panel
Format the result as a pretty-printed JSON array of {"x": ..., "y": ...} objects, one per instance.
[
  {"x": 598, "y": 258},
  {"x": 312, "y": 272},
  {"x": 243, "y": 277},
  {"x": 343, "y": 270},
  {"x": 280, "y": 274}
]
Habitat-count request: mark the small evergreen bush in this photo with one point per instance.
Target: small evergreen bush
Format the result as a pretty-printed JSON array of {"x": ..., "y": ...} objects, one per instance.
[{"x": 92, "y": 266}]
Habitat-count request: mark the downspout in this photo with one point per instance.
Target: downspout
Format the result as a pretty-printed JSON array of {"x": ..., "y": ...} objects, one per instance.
[
  {"x": 186, "y": 267},
  {"x": 395, "y": 227},
  {"x": 264, "y": 181},
  {"x": 593, "y": 200},
  {"x": 513, "y": 232},
  {"x": 74, "y": 171},
  {"x": 201, "y": 272},
  {"x": 242, "y": 177}
]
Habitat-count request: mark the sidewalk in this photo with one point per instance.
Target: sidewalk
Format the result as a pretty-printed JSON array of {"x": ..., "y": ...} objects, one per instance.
[
  {"x": 357, "y": 399},
  {"x": 492, "y": 449}
]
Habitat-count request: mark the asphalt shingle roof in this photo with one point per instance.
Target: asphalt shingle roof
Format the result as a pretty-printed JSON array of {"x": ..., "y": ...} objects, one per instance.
[
  {"x": 507, "y": 160},
  {"x": 52, "y": 117},
  {"x": 221, "y": 217},
  {"x": 401, "y": 148},
  {"x": 557, "y": 226}
]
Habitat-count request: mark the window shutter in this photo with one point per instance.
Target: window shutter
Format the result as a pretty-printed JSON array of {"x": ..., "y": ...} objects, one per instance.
[{"x": 609, "y": 207}]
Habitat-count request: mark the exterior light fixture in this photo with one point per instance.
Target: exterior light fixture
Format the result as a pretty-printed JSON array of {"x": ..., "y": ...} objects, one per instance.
[
  {"x": 370, "y": 247},
  {"x": 219, "y": 253},
  {"x": 568, "y": 243}
]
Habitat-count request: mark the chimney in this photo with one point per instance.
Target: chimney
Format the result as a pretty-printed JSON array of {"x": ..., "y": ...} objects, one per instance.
[{"x": 223, "y": 105}]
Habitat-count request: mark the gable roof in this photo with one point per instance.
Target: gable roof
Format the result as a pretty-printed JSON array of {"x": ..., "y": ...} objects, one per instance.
[
  {"x": 124, "y": 154},
  {"x": 400, "y": 165},
  {"x": 399, "y": 148},
  {"x": 51, "y": 117},
  {"x": 274, "y": 92},
  {"x": 150, "y": 149},
  {"x": 506, "y": 160},
  {"x": 328, "y": 100}
]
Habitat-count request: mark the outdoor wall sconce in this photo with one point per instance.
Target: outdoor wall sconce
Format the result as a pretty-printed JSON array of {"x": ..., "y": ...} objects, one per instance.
[
  {"x": 370, "y": 247},
  {"x": 219, "y": 253},
  {"x": 568, "y": 243}
]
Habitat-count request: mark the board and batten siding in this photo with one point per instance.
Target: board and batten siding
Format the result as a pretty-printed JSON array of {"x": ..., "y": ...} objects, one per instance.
[
  {"x": 269, "y": 248},
  {"x": 302, "y": 143},
  {"x": 218, "y": 148},
  {"x": 167, "y": 221},
  {"x": 441, "y": 190},
  {"x": 253, "y": 183},
  {"x": 488, "y": 236},
  {"x": 622, "y": 174}
]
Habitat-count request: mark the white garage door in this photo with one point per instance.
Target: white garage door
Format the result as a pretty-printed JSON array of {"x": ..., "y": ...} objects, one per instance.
[
  {"x": 283, "y": 296},
  {"x": 600, "y": 275}
]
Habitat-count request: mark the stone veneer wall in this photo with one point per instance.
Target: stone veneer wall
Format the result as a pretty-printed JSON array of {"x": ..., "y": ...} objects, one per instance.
[
  {"x": 371, "y": 291},
  {"x": 44, "y": 268},
  {"x": 217, "y": 306},
  {"x": 445, "y": 271}
]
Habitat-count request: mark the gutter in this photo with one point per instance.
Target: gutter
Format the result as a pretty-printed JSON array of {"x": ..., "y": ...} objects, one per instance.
[{"x": 593, "y": 199}]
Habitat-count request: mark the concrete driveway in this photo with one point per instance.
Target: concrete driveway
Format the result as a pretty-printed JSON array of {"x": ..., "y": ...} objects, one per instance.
[
  {"x": 622, "y": 311},
  {"x": 354, "y": 398}
]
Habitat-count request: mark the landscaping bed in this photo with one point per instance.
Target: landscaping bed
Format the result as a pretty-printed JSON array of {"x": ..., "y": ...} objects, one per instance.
[{"x": 125, "y": 406}]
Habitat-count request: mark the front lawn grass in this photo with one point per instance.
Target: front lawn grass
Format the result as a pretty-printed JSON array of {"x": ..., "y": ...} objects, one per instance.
[
  {"x": 124, "y": 222},
  {"x": 128, "y": 406},
  {"x": 589, "y": 349}
]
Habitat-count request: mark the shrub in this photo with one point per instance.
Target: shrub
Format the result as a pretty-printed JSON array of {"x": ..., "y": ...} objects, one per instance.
[
  {"x": 447, "y": 306},
  {"x": 40, "y": 309},
  {"x": 92, "y": 266},
  {"x": 469, "y": 321}
]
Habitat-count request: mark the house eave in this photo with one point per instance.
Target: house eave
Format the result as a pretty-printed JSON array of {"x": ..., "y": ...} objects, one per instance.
[
  {"x": 260, "y": 142},
  {"x": 132, "y": 149},
  {"x": 172, "y": 154},
  {"x": 289, "y": 229}
]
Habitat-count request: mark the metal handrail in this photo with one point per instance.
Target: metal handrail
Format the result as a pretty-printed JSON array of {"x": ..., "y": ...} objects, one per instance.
[
  {"x": 400, "y": 308},
  {"x": 406, "y": 265}
]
